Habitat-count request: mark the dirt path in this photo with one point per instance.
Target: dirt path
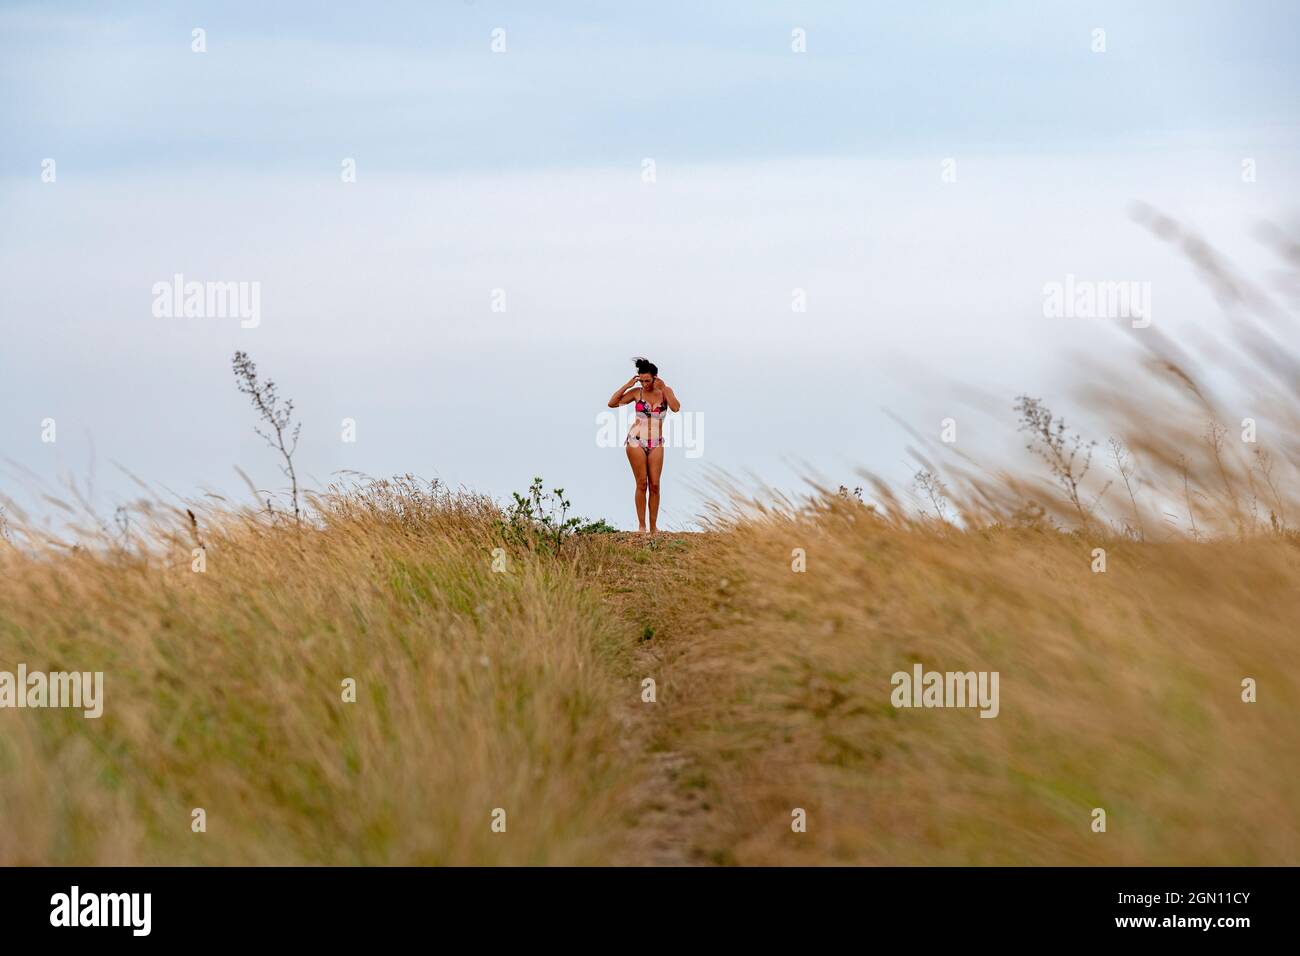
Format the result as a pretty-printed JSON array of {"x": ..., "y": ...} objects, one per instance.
[{"x": 642, "y": 580}]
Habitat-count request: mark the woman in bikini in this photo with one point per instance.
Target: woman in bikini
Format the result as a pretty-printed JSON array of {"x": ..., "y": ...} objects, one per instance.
[{"x": 645, "y": 441}]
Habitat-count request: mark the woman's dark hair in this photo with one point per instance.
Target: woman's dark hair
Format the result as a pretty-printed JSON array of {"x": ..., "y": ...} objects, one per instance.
[{"x": 645, "y": 367}]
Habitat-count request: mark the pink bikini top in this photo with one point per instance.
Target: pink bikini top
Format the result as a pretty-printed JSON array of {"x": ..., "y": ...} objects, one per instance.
[{"x": 656, "y": 413}]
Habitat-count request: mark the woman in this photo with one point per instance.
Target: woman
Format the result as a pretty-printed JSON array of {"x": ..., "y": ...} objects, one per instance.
[{"x": 645, "y": 441}]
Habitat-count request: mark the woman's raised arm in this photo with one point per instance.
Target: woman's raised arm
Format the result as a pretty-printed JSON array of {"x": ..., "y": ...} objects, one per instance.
[
  {"x": 621, "y": 395},
  {"x": 670, "y": 396}
]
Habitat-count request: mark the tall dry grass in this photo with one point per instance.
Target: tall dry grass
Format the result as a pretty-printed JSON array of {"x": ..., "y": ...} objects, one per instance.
[
  {"x": 1119, "y": 691},
  {"x": 475, "y": 691}
]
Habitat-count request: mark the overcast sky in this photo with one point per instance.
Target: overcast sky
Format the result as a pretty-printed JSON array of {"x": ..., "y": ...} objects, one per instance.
[{"x": 919, "y": 174}]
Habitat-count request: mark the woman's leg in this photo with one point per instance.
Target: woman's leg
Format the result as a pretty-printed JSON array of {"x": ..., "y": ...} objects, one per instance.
[
  {"x": 636, "y": 457},
  {"x": 654, "y": 467}
]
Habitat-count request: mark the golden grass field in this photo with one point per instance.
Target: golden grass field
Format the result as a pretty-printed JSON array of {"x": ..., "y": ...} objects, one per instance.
[
  {"x": 501, "y": 673},
  {"x": 521, "y": 690}
]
